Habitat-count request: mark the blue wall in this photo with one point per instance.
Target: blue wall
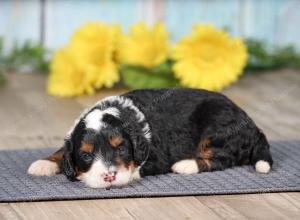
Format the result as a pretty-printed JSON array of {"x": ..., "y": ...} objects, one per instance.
[{"x": 276, "y": 21}]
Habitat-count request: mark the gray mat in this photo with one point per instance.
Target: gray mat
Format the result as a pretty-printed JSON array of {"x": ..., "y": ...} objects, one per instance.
[{"x": 16, "y": 185}]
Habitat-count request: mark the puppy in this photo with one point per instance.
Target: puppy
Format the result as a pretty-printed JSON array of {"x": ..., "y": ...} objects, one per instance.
[{"x": 150, "y": 132}]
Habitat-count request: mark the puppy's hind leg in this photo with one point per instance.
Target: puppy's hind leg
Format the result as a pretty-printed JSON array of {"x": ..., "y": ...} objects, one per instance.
[
  {"x": 208, "y": 158},
  {"x": 261, "y": 157},
  {"x": 48, "y": 166},
  {"x": 202, "y": 161}
]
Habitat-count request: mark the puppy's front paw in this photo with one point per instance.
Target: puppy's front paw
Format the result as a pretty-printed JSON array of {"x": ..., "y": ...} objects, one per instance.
[
  {"x": 136, "y": 174},
  {"x": 43, "y": 168},
  {"x": 185, "y": 167}
]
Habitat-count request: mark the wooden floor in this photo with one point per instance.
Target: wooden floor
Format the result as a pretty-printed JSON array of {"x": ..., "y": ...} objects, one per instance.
[{"x": 31, "y": 119}]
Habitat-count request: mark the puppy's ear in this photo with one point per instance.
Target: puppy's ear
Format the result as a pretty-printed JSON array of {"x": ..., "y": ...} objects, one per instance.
[
  {"x": 140, "y": 150},
  {"x": 67, "y": 165}
]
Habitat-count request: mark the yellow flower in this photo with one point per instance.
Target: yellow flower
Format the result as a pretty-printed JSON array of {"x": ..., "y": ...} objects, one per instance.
[
  {"x": 144, "y": 46},
  {"x": 209, "y": 59},
  {"x": 87, "y": 63},
  {"x": 66, "y": 78}
]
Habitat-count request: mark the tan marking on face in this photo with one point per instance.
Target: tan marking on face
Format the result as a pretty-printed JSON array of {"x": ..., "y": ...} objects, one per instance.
[
  {"x": 131, "y": 165},
  {"x": 88, "y": 148},
  {"x": 125, "y": 166},
  {"x": 115, "y": 141}
]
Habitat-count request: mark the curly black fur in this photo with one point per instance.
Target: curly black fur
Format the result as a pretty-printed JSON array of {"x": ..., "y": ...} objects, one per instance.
[{"x": 186, "y": 117}]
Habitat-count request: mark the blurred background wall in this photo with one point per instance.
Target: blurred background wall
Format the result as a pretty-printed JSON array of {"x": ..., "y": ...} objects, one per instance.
[{"x": 53, "y": 21}]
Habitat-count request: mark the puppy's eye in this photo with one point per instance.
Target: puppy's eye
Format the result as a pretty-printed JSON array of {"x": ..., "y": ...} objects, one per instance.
[
  {"x": 121, "y": 150},
  {"x": 86, "y": 156}
]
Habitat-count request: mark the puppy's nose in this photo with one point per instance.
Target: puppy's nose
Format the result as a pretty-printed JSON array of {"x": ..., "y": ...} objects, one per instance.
[{"x": 110, "y": 176}]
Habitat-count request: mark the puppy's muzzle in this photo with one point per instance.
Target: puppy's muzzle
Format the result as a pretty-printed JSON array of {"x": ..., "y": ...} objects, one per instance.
[{"x": 110, "y": 176}]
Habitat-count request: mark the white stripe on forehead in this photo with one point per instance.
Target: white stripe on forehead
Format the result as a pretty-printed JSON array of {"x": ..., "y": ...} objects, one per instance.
[
  {"x": 93, "y": 120},
  {"x": 124, "y": 103}
]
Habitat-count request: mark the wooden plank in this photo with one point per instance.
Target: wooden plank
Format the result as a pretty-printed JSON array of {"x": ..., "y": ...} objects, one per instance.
[
  {"x": 7, "y": 212},
  {"x": 140, "y": 208},
  {"x": 266, "y": 97},
  {"x": 87, "y": 101},
  {"x": 58, "y": 210},
  {"x": 31, "y": 210},
  {"x": 254, "y": 206},
  {"x": 29, "y": 142},
  {"x": 282, "y": 205},
  {"x": 293, "y": 198},
  {"x": 169, "y": 208},
  {"x": 279, "y": 99},
  {"x": 34, "y": 117},
  {"x": 220, "y": 208}
]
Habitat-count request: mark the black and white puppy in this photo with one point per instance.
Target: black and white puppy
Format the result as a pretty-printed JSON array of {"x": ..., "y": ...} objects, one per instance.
[{"x": 149, "y": 132}]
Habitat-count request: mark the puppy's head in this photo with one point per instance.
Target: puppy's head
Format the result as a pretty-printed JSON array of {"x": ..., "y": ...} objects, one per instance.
[{"x": 102, "y": 156}]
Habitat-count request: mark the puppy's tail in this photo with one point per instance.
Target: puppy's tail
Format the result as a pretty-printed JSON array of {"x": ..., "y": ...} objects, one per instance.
[{"x": 261, "y": 157}]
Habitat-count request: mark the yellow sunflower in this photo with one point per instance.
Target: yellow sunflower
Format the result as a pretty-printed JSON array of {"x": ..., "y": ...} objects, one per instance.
[
  {"x": 144, "y": 46},
  {"x": 209, "y": 58},
  {"x": 87, "y": 63},
  {"x": 66, "y": 79}
]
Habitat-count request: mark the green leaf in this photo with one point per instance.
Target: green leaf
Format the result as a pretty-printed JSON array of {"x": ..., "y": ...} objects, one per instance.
[
  {"x": 263, "y": 58},
  {"x": 27, "y": 56},
  {"x": 137, "y": 77},
  {"x": 2, "y": 79},
  {"x": 1, "y": 53}
]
